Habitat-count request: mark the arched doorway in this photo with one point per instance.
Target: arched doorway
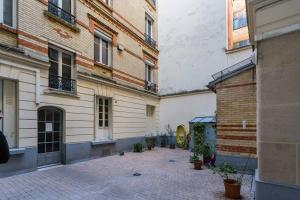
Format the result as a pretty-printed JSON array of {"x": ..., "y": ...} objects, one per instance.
[{"x": 50, "y": 131}]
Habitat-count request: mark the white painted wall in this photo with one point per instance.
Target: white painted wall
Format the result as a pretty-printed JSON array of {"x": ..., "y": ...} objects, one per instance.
[
  {"x": 182, "y": 109},
  {"x": 192, "y": 38}
]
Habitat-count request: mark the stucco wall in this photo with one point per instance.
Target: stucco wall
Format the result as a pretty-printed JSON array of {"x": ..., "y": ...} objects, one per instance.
[
  {"x": 179, "y": 110},
  {"x": 192, "y": 35},
  {"x": 278, "y": 110}
]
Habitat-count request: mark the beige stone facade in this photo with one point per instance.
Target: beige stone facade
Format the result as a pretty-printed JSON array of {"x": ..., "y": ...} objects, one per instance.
[{"x": 40, "y": 25}]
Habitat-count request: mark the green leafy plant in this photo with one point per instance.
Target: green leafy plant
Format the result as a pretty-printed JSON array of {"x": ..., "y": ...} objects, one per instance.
[
  {"x": 194, "y": 157},
  {"x": 227, "y": 171},
  {"x": 150, "y": 140},
  {"x": 199, "y": 139},
  {"x": 138, "y": 147}
]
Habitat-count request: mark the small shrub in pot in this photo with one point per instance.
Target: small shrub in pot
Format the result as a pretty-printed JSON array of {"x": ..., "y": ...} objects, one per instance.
[
  {"x": 232, "y": 180},
  {"x": 138, "y": 147}
]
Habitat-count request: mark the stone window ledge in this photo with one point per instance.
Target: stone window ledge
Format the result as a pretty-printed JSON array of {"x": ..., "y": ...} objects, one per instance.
[
  {"x": 102, "y": 142},
  {"x": 52, "y": 91},
  {"x": 17, "y": 151},
  {"x": 61, "y": 21}
]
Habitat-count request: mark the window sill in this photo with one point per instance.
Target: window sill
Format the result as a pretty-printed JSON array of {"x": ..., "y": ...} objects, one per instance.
[
  {"x": 17, "y": 151},
  {"x": 108, "y": 7},
  {"x": 8, "y": 28},
  {"x": 102, "y": 142},
  {"x": 52, "y": 91},
  {"x": 229, "y": 51},
  {"x": 61, "y": 21},
  {"x": 97, "y": 64}
]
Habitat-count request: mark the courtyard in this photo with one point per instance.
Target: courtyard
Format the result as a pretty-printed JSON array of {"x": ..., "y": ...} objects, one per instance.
[{"x": 164, "y": 174}]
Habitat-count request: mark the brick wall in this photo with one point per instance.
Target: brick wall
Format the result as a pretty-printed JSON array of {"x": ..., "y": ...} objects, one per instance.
[{"x": 236, "y": 102}]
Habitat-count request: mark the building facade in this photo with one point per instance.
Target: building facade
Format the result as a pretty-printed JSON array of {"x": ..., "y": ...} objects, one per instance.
[
  {"x": 275, "y": 33},
  {"x": 235, "y": 88},
  {"x": 78, "y": 78}
]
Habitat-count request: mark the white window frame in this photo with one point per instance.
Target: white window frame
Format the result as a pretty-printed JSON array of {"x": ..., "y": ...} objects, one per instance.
[
  {"x": 103, "y": 37},
  {"x": 149, "y": 64},
  {"x": 147, "y": 19},
  {"x": 14, "y": 13},
  {"x": 60, "y": 51},
  {"x": 103, "y": 113},
  {"x": 109, "y": 3},
  {"x": 60, "y": 6}
]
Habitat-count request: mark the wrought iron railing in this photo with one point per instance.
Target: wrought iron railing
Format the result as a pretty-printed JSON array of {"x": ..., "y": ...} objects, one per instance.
[
  {"x": 150, "y": 40},
  {"x": 62, "y": 83},
  {"x": 149, "y": 86},
  {"x": 64, "y": 15}
]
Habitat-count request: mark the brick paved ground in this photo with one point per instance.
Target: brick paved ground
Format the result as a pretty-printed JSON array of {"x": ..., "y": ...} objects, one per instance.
[{"x": 111, "y": 178}]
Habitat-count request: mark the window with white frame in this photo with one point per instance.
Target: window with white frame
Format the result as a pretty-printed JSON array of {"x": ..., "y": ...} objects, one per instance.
[
  {"x": 66, "y": 5},
  {"x": 8, "y": 12},
  {"x": 149, "y": 71},
  {"x": 61, "y": 69},
  {"x": 103, "y": 48},
  {"x": 148, "y": 25},
  {"x": 103, "y": 112},
  {"x": 108, "y": 2}
]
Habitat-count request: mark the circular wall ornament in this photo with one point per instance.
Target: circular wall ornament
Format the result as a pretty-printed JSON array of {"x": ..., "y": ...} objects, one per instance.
[{"x": 181, "y": 136}]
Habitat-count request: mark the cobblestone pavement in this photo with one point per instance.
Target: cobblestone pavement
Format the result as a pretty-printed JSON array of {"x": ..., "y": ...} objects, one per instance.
[{"x": 111, "y": 178}]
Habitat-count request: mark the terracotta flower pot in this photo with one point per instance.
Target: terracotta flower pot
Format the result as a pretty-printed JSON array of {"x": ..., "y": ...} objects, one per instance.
[
  {"x": 198, "y": 164},
  {"x": 232, "y": 189}
]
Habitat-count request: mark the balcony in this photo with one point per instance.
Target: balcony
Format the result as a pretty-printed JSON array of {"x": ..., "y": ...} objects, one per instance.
[
  {"x": 62, "y": 83},
  {"x": 60, "y": 13},
  {"x": 151, "y": 87},
  {"x": 150, "y": 40}
]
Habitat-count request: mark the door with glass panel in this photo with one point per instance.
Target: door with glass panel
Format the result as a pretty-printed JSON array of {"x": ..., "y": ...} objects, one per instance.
[
  {"x": 49, "y": 136},
  {"x": 104, "y": 130}
]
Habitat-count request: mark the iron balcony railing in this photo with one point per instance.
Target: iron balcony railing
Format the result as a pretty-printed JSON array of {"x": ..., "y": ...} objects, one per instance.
[
  {"x": 64, "y": 15},
  {"x": 62, "y": 83},
  {"x": 150, "y": 40},
  {"x": 151, "y": 87},
  {"x": 232, "y": 68}
]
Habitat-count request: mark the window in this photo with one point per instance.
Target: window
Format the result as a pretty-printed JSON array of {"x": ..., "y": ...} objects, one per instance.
[
  {"x": 150, "y": 111},
  {"x": 149, "y": 31},
  {"x": 241, "y": 44},
  {"x": 8, "y": 12},
  {"x": 62, "y": 9},
  {"x": 148, "y": 25},
  {"x": 239, "y": 19},
  {"x": 103, "y": 48},
  {"x": 61, "y": 70},
  {"x": 148, "y": 73},
  {"x": 103, "y": 111},
  {"x": 108, "y": 2}
]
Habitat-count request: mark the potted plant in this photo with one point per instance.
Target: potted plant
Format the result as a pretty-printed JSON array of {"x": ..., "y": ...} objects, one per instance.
[
  {"x": 149, "y": 142},
  {"x": 171, "y": 136},
  {"x": 163, "y": 140},
  {"x": 232, "y": 180},
  {"x": 121, "y": 153},
  {"x": 138, "y": 147},
  {"x": 207, "y": 154},
  {"x": 198, "y": 149},
  {"x": 193, "y": 157}
]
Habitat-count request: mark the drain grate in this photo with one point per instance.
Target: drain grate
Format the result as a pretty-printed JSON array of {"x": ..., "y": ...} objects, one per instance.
[
  {"x": 172, "y": 161},
  {"x": 137, "y": 174}
]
